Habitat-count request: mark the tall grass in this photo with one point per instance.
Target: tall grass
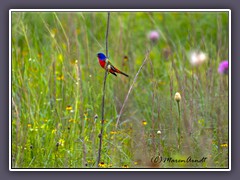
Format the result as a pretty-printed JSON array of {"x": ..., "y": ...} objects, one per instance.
[{"x": 57, "y": 89}]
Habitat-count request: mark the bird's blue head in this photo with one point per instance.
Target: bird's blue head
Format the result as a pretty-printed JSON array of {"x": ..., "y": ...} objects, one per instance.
[{"x": 101, "y": 56}]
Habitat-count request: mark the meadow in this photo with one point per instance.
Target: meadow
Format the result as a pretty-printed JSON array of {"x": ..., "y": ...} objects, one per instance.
[{"x": 57, "y": 89}]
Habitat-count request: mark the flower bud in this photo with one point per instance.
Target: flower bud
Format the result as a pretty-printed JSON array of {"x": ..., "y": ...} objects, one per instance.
[{"x": 177, "y": 97}]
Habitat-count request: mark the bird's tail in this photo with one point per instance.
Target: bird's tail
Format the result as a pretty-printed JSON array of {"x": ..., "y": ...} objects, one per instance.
[{"x": 123, "y": 73}]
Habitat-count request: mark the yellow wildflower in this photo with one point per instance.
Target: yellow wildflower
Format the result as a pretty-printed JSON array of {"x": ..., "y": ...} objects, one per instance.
[
  {"x": 113, "y": 132},
  {"x": 144, "y": 123},
  {"x": 69, "y": 108},
  {"x": 61, "y": 77},
  {"x": 61, "y": 142},
  {"x": 224, "y": 145},
  {"x": 102, "y": 165}
]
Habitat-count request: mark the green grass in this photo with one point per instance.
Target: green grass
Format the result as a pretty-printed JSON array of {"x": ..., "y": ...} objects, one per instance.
[{"x": 47, "y": 79}]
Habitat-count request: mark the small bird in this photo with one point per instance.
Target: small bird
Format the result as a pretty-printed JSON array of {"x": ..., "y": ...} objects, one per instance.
[{"x": 102, "y": 61}]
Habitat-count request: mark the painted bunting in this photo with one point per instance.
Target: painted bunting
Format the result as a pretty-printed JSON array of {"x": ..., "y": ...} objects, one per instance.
[{"x": 102, "y": 61}]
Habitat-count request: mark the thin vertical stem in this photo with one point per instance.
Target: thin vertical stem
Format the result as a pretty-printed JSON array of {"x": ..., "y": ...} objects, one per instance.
[
  {"x": 108, "y": 20},
  {"x": 103, "y": 96},
  {"x": 179, "y": 131},
  {"x": 153, "y": 97}
]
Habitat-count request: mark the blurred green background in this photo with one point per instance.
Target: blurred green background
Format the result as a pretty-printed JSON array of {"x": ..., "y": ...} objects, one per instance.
[{"x": 57, "y": 89}]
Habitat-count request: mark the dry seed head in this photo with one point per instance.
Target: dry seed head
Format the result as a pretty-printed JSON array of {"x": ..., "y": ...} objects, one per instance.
[
  {"x": 197, "y": 58},
  {"x": 202, "y": 57}
]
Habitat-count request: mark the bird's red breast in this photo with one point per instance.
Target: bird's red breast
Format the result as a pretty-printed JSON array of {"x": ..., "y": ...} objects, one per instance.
[{"x": 102, "y": 63}]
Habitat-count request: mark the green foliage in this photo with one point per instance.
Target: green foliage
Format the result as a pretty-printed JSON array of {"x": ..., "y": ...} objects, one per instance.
[{"x": 57, "y": 89}]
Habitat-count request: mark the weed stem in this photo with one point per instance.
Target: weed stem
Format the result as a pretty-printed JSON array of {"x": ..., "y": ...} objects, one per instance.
[{"x": 103, "y": 96}]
